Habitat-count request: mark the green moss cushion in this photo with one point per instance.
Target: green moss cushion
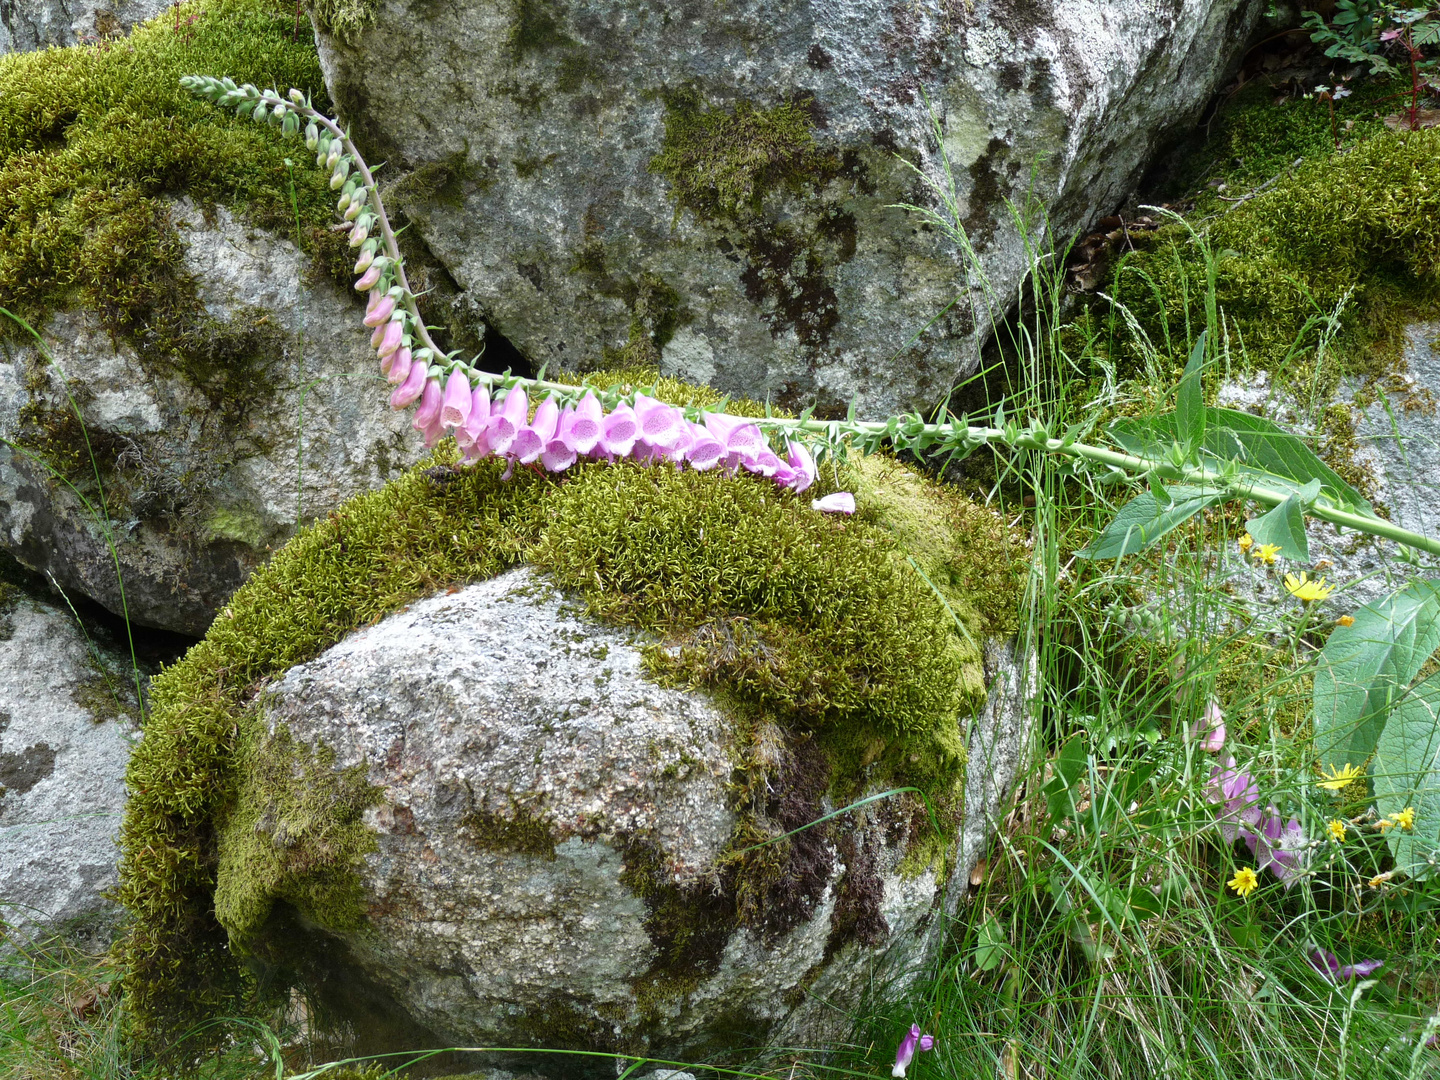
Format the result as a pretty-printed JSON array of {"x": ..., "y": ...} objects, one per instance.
[{"x": 861, "y": 631}]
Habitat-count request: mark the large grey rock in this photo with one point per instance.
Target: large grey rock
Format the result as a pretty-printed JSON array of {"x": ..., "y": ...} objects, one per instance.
[
  {"x": 543, "y": 814},
  {"x": 533, "y": 131},
  {"x": 202, "y": 465},
  {"x": 35, "y": 24},
  {"x": 66, "y": 728}
]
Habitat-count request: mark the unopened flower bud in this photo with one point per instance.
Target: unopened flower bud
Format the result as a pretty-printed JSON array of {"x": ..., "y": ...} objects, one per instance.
[
  {"x": 337, "y": 178},
  {"x": 312, "y": 135},
  {"x": 343, "y": 203},
  {"x": 393, "y": 338},
  {"x": 296, "y": 96},
  {"x": 367, "y": 256},
  {"x": 410, "y": 389},
  {"x": 358, "y": 235},
  {"x": 396, "y": 366},
  {"x": 250, "y": 90},
  {"x": 357, "y": 203},
  {"x": 261, "y": 113},
  {"x": 370, "y": 279},
  {"x": 332, "y": 157},
  {"x": 380, "y": 311},
  {"x": 279, "y": 111}
]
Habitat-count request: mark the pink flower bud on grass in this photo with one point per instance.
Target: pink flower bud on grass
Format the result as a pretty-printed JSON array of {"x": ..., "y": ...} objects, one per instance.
[
  {"x": 455, "y": 409},
  {"x": 909, "y": 1045}
]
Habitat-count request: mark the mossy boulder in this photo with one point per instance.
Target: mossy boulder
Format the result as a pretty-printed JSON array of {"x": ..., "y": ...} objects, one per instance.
[
  {"x": 556, "y": 715},
  {"x": 713, "y": 188},
  {"x": 156, "y": 488}
]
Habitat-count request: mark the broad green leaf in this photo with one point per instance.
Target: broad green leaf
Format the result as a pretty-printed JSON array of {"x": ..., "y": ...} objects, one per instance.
[
  {"x": 990, "y": 945},
  {"x": 1266, "y": 453},
  {"x": 1367, "y": 666},
  {"x": 1069, "y": 764},
  {"x": 1284, "y": 525},
  {"x": 1406, "y": 773},
  {"x": 1190, "y": 399},
  {"x": 1143, "y": 521}
]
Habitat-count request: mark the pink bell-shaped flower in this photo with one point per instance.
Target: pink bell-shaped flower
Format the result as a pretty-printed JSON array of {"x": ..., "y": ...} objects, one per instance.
[
  {"x": 660, "y": 425},
  {"x": 803, "y": 464},
  {"x": 431, "y": 399},
  {"x": 619, "y": 431},
  {"x": 514, "y": 414},
  {"x": 585, "y": 430},
  {"x": 474, "y": 428},
  {"x": 530, "y": 441},
  {"x": 455, "y": 406},
  {"x": 394, "y": 336},
  {"x": 369, "y": 279},
  {"x": 706, "y": 451},
  {"x": 382, "y": 310}
]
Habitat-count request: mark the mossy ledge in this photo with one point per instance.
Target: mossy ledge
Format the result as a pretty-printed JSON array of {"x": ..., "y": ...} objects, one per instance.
[{"x": 816, "y": 625}]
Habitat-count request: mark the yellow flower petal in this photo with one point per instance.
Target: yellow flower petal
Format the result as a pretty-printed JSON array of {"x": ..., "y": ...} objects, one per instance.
[
  {"x": 1336, "y": 829},
  {"x": 1345, "y": 620},
  {"x": 1245, "y": 541},
  {"x": 1335, "y": 779},
  {"x": 1303, "y": 588},
  {"x": 1244, "y": 882}
]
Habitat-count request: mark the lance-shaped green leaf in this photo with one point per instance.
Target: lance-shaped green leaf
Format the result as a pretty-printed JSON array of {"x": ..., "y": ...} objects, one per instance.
[
  {"x": 1264, "y": 453},
  {"x": 1367, "y": 666},
  {"x": 1406, "y": 773},
  {"x": 1146, "y": 518},
  {"x": 1284, "y": 525},
  {"x": 1190, "y": 399}
]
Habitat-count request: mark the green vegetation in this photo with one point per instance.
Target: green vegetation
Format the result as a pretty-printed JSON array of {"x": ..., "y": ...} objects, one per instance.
[
  {"x": 96, "y": 144},
  {"x": 1342, "y": 247},
  {"x": 819, "y": 624}
]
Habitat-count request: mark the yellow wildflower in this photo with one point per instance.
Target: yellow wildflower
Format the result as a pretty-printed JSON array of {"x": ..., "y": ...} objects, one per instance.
[
  {"x": 1345, "y": 620},
  {"x": 1245, "y": 541},
  {"x": 1405, "y": 818},
  {"x": 1380, "y": 879},
  {"x": 1244, "y": 882},
  {"x": 1302, "y": 588},
  {"x": 1335, "y": 779},
  {"x": 1385, "y": 823},
  {"x": 1337, "y": 830},
  {"x": 1266, "y": 553}
]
